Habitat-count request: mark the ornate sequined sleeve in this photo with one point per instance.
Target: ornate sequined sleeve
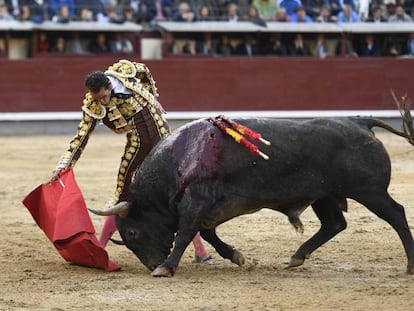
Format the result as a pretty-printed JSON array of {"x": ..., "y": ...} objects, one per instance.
[{"x": 78, "y": 142}]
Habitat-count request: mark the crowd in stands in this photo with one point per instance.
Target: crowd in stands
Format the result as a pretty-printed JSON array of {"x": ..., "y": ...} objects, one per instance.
[
  {"x": 260, "y": 12},
  {"x": 149, "y": 12}
]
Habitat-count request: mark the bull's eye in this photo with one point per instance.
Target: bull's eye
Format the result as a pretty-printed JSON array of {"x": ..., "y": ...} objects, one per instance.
[{"x": 132, "y": 234}]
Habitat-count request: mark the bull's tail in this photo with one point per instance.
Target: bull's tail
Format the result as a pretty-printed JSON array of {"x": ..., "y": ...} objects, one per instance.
[{"x": 404, "y": 105}]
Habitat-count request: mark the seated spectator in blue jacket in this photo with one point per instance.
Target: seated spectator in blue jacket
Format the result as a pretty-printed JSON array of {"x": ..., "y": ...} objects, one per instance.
[
  {"x": 54, "y": 6},
  {"x": 300, "y": 16},
  {"x": 163, "y": 10},
  {"x": 347, "y": 15},
  {"x": 351, "y": 3},
  {"x": 290, "y": 6}
]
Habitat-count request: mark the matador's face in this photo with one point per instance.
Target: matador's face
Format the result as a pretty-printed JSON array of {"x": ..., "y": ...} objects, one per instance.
[{"x": 103, "y": 95}]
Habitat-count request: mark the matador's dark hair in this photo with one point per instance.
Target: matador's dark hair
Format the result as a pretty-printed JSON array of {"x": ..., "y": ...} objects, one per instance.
[{"x": 96, "y": 80}]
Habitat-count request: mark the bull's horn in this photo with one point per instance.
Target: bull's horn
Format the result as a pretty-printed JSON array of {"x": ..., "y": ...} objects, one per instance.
[
  {"x": 117, "y": 242},
  {"x": 120, "y": 209}
]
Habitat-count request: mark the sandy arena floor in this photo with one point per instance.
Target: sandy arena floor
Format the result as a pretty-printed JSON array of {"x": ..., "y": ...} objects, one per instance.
[{"x": 361, "y": 269}]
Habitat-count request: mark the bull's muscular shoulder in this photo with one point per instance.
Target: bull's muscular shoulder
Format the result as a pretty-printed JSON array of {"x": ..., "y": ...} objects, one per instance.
[{"x": 196, "y": 149}]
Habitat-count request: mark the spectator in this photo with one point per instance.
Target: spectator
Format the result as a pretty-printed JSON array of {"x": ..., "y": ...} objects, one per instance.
[
  {"x": 298, "y": 47},
  {"x": 313, "y": 7},
  {"x": 59, "y": 46},
  {"x": 4, "y": 14},
  {"x": 75, "y": 44},
  {"x": 185, "y": 14},
  {"x": 247, "y": 47},
  {"x": 351, "y": 3},
  {"x": 290, "y": 6},
  {"x": 369, "y": 47},
  {"x": 218, "y": 8},
  {"x": 93, "y": 7},
  {"x": 12, "y": 7},
  {"x": 43, "y": 45},
  {"x": 407, "y": 47},
  {"x": 31, "y": 10},
  {"x": 110, "y": 15},
  {"x": 376, "y": 16},
  {"x": 120, "y": 44},
  {"x": 391, "y": 46},
  {"x": 348, "y": 15},
  {"x": 322, "y": 48},
  {"x": 281, "y": 16},
  {"x": 300, "y": 16},
  {"x": 275, "y": 46},
  {"x": 63, "y": 16},
  {"x": 400, "y": 16},
  {"x": 25, "y": 14},
  {"x": 99, "y": 45},
  {"x": 253, "y": 16},
  {"x": 408, "y": 6},
  {"x": 164, "y": 10},
  {"x": 266, "y": 9},
  {"x": 345, "y": 47},
  {"x": 54, "y": 7},
  {"x": 85, "y": 15},
  {"x": 145, "y": 13},
  {"x": 225, "y": 48},
  {"x": 204, "y": 14},
  {"x": 325, "y": 15},
  {"x": 232, "y": 14},
  {"x": 390, "y": 6},
  {"x": 190, "y": 47},
  {"x": 170, "y": 44},
  {"x": 335, "y": 6},
  {"x": 206, "y": 46},
  {"x": 129, "y": 15}
]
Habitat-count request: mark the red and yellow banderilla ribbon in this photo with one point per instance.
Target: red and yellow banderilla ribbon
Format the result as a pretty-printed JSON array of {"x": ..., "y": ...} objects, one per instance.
[
  {"x": 237, "y": 131},
  {"x": 245, "y": 130}
]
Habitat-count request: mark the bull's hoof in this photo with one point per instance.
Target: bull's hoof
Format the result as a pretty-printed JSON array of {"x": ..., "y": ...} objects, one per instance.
[
  {"x": 238, "y": 258},
  {"x": 410, "y": 270},
  {"x": 295, "y": 262},
  {"x": 161, "y": 271}
]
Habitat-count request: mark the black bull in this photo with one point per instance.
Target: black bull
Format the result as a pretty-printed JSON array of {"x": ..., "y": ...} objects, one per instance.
[{"x": 198, "y": 178}]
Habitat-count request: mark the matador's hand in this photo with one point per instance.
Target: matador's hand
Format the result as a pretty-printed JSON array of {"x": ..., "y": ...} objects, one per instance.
[{"x": 56, "y": 173}]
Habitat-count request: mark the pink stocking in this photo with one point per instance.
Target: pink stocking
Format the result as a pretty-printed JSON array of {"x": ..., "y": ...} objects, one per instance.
[
  {"x": 108, "y": 230},
  {"x": 200, "y": 250}
]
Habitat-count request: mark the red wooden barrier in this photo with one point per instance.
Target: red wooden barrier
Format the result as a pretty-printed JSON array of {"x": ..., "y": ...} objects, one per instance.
[{"x": 219, "y": 84}]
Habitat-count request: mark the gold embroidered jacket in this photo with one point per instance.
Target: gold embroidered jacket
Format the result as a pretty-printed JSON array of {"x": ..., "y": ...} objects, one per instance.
[{"x": 117, "y": 115}]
